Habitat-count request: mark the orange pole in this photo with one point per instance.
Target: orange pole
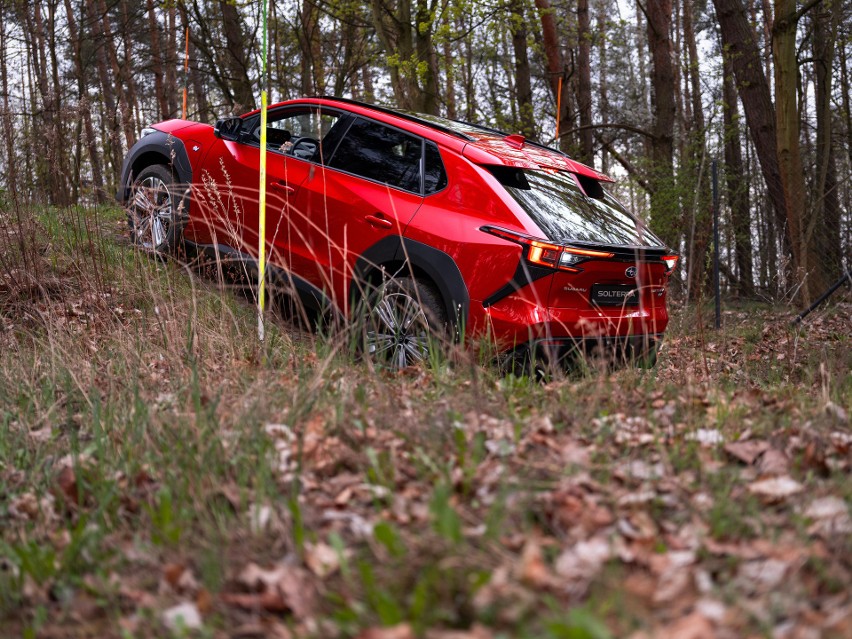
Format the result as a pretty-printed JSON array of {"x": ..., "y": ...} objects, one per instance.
[
  {"x": 185, "y": 72},
  {"x": 558, "y": 108}
]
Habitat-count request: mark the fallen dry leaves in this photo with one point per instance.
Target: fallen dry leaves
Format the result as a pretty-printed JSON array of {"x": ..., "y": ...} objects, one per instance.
[{"x": 706, "y": 500}]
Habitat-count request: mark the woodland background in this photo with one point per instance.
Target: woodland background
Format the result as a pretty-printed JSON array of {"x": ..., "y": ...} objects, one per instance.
[
  {"x": 163, "y": 473},
  {"x": 651, "y": 92}
]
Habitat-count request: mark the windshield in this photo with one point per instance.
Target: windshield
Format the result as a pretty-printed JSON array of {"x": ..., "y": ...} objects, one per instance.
[{"x": 565, "y": 214}]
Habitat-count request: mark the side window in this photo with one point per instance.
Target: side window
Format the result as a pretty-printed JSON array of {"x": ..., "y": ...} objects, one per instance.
[
  {"x": 299, "y": 132},
  {"x": 377, "y": 152},
  {"x": 434, "y": 175}
]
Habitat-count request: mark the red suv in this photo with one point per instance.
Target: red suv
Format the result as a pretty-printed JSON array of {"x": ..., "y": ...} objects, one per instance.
[{"x": 418, "y": 223}]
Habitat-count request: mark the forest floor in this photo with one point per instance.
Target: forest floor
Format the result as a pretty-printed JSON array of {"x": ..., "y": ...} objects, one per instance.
[{"x": 164, "y": 474}]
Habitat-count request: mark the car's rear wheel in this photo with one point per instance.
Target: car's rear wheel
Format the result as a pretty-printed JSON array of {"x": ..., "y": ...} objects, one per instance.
[
  {"x": 154, "y": 212},
  {"x": 405, "y": 319}
]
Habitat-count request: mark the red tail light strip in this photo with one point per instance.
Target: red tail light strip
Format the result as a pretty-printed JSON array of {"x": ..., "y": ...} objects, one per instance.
[{"x": 542, "y": 253}]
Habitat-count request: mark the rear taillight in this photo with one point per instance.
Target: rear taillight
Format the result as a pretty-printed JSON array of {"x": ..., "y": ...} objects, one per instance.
[{"x": 547, "y": 254}]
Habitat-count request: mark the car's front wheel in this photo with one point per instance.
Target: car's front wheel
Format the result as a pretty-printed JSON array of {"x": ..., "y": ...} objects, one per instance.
[
  {"x": 154, "y": 212},
  {"x": 405, "y": 319}
]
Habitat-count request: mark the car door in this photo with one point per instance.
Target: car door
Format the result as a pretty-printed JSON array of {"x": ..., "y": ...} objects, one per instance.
[
  {"x": 368, "y": 189},
  {"x": 230, "y": 179}
]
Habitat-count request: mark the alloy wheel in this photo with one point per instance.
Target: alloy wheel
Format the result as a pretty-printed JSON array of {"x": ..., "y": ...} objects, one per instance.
[
  {"x": 399, "y": 332},
  {"x": 153, "y": 212}
]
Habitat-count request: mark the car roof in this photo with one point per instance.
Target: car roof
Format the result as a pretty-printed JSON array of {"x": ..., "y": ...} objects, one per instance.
[{"x": 480, "y": 144}]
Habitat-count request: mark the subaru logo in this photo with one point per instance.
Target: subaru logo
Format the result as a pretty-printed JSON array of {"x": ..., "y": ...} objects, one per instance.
[{"x": 630, "y": 272}]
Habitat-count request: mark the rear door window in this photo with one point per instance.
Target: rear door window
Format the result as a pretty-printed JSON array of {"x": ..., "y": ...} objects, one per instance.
[
  {"x": 564, "y": 213},
  {"x": 381, "y": 153}
]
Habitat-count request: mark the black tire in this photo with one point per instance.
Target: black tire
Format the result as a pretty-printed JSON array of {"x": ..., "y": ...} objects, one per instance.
[
  {"x": 404, "y": 319},
  {"x": 155, "y": 211}
]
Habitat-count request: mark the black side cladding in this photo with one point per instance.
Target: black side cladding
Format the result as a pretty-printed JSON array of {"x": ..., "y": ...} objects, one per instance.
[
  {"x": 159, "y": 148},
  {"x": 437, "y": 265},
  {"x": 524, "y": 275}
]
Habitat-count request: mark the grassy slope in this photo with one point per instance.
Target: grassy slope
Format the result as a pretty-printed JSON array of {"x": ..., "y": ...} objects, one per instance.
[{"x": 152, "y": 454}]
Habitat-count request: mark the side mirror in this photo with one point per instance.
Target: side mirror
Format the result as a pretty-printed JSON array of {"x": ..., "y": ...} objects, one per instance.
[{"x": 228, "y": 129}]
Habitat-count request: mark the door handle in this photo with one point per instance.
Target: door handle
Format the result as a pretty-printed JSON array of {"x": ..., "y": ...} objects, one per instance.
[
  {"x": 377, "y": 221},
  {"x": 283, "y": 186}
]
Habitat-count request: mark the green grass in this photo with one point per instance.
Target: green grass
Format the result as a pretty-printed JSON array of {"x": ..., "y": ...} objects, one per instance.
[{"x": 142, "y": 427}]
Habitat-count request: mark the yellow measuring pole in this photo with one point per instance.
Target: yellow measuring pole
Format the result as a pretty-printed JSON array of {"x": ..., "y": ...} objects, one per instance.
[
  {"x": 261, "y": 214},
  {"x": 261, "y": 227}
]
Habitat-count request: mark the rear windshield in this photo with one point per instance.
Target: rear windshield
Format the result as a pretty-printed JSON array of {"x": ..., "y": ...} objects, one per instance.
[{"x": 564, "y": 213}]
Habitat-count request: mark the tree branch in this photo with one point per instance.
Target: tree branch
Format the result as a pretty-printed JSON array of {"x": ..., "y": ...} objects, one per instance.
[
  {"x": 623, "y": 161},
  {"x": 610, "y": 125}
]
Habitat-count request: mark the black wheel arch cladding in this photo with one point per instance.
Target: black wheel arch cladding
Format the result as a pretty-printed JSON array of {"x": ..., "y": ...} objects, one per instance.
[
  {"x": 165, "y": 147},
  {"x": 438, "y": 266}
]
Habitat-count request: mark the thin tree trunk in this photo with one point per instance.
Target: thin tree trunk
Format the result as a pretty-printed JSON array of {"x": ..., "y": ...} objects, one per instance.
[
  {"x": 753, "y": 89},
  {"x": 236, "y": 58},
  {"x": 172, "y": 63},
  {"x": 664, "y": 204},
  {"x": 697, "y": 159},
  {"x": 523, "y": 83},
  {"x": 826, "y": 222},
  {"x": 806, "y": 258},
  {"x": 450, "y": 74},
  {"x": 584, "y": 81},
  {"x": 736, "y": 181},
  {"x": 8, "y": 128},
  {"x": 85, "y": 106},
  {"x": 157, "y": 63},
  {"x": 202, "y": 113},
  {"x": 112, "y": 139},
  {"x": 555, "y": 70},
  {"x": 603, "y": 92}
]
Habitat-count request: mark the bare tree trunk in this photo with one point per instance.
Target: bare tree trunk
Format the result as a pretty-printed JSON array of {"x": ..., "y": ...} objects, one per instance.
[
  {"x": 127, "y": 74},
  {"x": 555, "y": 70},
  {"x": 603, "y": 91},
  {"x": 753, "y": 89},
  {"x": 8, "y": 128},
  {"x": 450, "y": 74},
  {"x": 113, "y": 138},
  {"x": 157, "y": 63},
  {"x": 85, "y": 106},
  {"x": 48, "y": 169},
  {"x": 584, "y": 81},
  {"x": 308, "y": 24},
  {"x": 664, "y": 204},
  {"x": 826, "y": 214},
  {"x": 172, "y": 63},
  {"x": 523, "y": 83},
  {"x": 236, "y": 58},
  {"x": 203, "y": 112},
  {"x": 736, "y": 181},
  {"x": 56, "y": 106},
  {"x": 697, "y": 151},
  {"x": 806, "y": 258}
]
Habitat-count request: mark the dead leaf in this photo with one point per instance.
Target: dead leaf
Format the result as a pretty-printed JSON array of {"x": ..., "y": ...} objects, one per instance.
[
  {"x": 763, "y": 575},
  {"x": 773, "y": 462},
  {"x": 182, "y": 616},
  {"x": 531, "y": 568},
  {"x": 776, "y": 488},
  {"x": 694, "y": 626},
  {"x": 280, "y": 589},
  {"x": 747, "y": 451},
  {"x": 401, "y": 631},
  {"x": 66, "y": 481},
  {"x": 580, "y": 564},
  {"x": 706, "y": 437},
  {"x": 321, "y": 559},
  {"x": 477, "y": 631}
]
